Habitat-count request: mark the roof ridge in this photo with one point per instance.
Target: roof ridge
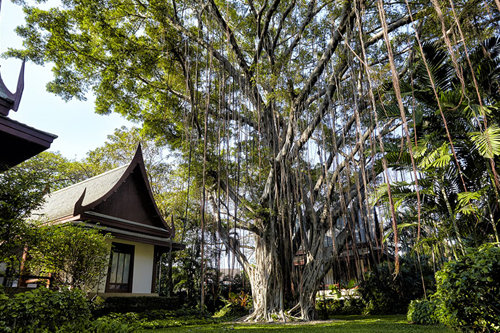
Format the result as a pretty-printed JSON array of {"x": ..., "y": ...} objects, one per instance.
[{"x": 90, "y": 179}]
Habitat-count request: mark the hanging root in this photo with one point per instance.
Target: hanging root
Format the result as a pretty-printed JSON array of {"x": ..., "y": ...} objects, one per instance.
[{"x": 294, "y": 309}]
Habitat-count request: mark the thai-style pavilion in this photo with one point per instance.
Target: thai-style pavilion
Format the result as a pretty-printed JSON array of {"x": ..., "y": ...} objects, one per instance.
[
  {"x": 120, "y": 202},
  {"x": 18, "y": 141}
]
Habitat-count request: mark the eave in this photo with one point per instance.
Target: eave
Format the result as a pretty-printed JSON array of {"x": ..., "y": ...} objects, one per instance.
[{"x": 20, "y": 142}]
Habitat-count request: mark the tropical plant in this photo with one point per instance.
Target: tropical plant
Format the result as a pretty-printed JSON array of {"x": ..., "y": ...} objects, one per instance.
[
  {"x": 45, "y": 309},
  {"x": 75, "y": 256},
  {"x": 21, "y": 191},
  {"x": 422, "y": 311},
  {"x": 468, "y": 291},
  {"x": 456, "y": 146},
  {"x": 387, "y": 294}
]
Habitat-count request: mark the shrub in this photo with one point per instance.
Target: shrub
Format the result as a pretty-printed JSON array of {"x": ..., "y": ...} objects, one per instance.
[
  {"x": 137, "y": 304},
  {"x": 44, "y": 309},
  {"x": 106, "y": 325},
  {"x": 231, "y": 311},
  {"x": 349, "y": 306},
  {"x": 158, "y": 319},
  {"x": 422, "y": 312},
  {"x": 468, "y": 291},
  {"x": 75, "y": 256},
  {"x": 237, "y": 305},
  {"x": 385, "y": 294}
]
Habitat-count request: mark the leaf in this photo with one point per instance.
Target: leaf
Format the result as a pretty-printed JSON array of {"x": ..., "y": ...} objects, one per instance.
[
  {"x": 438, "y": 158},
  {"x": 400, "y": 227},
  {"x": 487, "y": 142}
]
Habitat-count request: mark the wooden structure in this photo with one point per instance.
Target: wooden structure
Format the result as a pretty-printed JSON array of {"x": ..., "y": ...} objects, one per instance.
[
  {"x": 121, "y": 202},
  {"x": 19, "y": 141},
  {"x": 360, "y": 252}
]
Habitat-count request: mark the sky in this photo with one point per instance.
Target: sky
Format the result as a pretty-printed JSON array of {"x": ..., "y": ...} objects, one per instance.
[{"x": 78, "y": 128}]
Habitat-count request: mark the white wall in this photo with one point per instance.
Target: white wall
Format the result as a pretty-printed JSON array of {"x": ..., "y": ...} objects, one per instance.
[{"x": 143, "y": 267}]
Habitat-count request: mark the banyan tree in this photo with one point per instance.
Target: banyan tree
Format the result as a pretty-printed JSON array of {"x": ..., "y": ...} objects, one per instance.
[{"x": 283, "y": 111}]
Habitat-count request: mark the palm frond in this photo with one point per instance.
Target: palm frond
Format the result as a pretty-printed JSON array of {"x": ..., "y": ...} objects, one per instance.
[
  {"x": 439, "y": 67},
  {"x": 487, "y": 142}
]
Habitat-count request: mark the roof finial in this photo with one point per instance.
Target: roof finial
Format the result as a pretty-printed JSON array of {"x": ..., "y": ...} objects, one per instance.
[{"x": 8, "y": 100}]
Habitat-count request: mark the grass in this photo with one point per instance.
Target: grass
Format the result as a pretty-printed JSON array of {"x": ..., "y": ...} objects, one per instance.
[{"x": 351, "y": 324}]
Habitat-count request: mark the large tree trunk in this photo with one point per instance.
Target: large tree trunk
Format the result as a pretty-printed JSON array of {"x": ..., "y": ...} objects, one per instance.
[
  {"x": 312, "y": 275},
  {"x": 271, "y": 292},
  {"x": 266, "y": 279}
]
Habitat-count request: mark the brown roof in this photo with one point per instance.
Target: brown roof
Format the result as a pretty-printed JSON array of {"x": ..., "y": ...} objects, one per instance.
[
  {"x": 119, "y": 200},
  {"x": 20, "y": 142},
  {"x": 86, "y": 195},
  {"x": 63, "y": 203}
]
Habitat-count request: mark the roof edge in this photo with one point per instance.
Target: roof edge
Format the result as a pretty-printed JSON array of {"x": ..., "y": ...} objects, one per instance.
[{"x": 137, "y": 161}]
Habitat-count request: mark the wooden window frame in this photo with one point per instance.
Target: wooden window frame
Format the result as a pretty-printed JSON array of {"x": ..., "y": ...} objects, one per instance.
[{"x": 122, "y": 248}]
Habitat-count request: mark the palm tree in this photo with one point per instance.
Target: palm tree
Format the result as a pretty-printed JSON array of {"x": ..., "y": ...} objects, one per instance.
[{"x": 459, "y": 199}]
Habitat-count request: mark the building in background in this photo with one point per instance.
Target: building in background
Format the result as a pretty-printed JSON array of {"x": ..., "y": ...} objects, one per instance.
[{"x": 119, "y": 202}]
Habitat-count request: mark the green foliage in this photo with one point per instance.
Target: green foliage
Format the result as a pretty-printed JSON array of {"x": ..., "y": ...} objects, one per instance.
[
  {"x": 343, "y": 299},
  {"x": 332, "y": 306},
  {"x": 44, "y": 309},
  {"x": 458, "y": 202},
  {"x": 242, "y": 299},
  {"x": 74, "y": 255},
  {"x": 231, "y": 311},
  {"x": 468, "y": 291},
  {"x": 487, "y": 142},
  {"x": 100, "y": 325},
  {"x": 422, "y": 312},
  {"x": 186, "y": 277},
  {"x": 21, "y": 191},
  {"x": 149, "y": 62},
  {"x": 60, "y": 172},
  {"x": 159, "y": 318},
  {"x": 107, "y": 325},
  {"x": 237, "y": 305},
  {"x": 137, "y": 304},
  {"x": 384, "y": 293}
]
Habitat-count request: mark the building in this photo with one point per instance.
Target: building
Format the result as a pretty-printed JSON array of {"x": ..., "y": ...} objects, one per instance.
[
  {"x": 361, "y": 251},
  {"x": 121, "y": 202},
  {"x": 19, "y": 141}
]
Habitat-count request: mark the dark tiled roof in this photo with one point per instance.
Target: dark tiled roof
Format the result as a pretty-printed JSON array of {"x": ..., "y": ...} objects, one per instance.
[
  {"x": 61, "y": 203},
  {"x": 26, "y": 128}
]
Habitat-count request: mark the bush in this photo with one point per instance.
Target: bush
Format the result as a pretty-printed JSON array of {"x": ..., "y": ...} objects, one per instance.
[
  {"x": 468, "y": 291},
  {"x": 75, "y": 256},
  {"x": 349, "y": 306},
  {"x": 137, "y": 304},
  {"x": 422, "y": 312},
  {"x": 236, "y": 306},
  {"x": 158, "y": 319},
  {"x": 231, "y": 311},
  {"x": 44, "y": 309},
  {"x": 106, "y": 325},
  {"x": 385, "y": 294},
  {"x": 101, "y": 325}
]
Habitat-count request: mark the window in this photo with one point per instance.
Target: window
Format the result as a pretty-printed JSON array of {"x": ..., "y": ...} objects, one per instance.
[{"x": 121, "y": 265}]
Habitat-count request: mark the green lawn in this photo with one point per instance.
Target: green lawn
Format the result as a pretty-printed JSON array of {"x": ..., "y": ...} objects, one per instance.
[{"x": 351, "y": 324}]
